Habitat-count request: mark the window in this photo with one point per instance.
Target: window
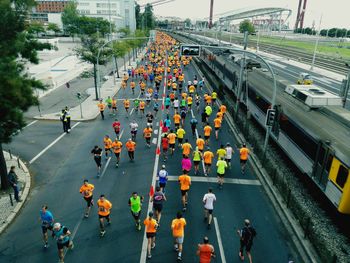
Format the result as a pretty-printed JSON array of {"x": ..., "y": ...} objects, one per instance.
[{"x": 342, "y": 176}]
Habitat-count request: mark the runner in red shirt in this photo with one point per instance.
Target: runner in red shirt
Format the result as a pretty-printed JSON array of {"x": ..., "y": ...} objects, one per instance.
[
  {"x": 165, "y": 146},
  {"x": 116, "y": 127}
]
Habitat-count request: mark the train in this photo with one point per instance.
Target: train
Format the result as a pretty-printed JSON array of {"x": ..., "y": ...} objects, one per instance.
[{"x": 315, "y": 137}]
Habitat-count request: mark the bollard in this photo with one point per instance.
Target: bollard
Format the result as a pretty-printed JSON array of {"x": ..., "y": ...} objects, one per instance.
[
  {"x": 307, "y": 228},
  {"x": 11, "y": 200},
  {"x": 18, "y": 163},
  {"x": 10, "y": 154}
]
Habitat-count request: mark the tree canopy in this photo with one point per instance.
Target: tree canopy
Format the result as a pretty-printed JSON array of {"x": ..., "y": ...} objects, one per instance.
[
  {"x": 246, "y": 25},
  {"x": 17, "y": 46}
]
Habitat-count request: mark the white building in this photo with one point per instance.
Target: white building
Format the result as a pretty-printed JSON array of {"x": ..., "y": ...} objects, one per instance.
[{"x": 120, "y": 12}]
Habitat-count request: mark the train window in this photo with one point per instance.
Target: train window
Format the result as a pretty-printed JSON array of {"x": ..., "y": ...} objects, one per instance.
[
  {"x": 342, "y": 176},
  {"x": 300, "y": 138}
]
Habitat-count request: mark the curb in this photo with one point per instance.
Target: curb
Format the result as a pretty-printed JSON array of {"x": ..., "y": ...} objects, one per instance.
[
  {"x": 302, "y": 245},
  {"x": 23, "y": 196}
]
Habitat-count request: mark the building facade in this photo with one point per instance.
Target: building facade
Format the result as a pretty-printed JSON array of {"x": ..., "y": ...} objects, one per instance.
[
  {"x": 119, "y": 12},
  {"x": 51, "y": 6}
]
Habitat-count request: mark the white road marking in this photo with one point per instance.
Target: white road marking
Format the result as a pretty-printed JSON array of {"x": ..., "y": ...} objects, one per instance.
[
  {"x": 154, "y": 140},
  {"x": 154, "y": 177},
  {"x": 105, "y": 167},
  {"x": 218, "y": 235},
  {"x": 155, "y": 131},
  {"x": 206, "y": 179},
  {"x": 29, "y": 124},
  {"x": 51, "y": 144}
]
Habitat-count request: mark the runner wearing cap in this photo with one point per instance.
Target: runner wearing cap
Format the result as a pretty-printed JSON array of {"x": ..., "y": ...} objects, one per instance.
[
  {"x": 163, "y": 178},
  {"x": 62, "y": 235},
  {"x": 151, "y": 229}
]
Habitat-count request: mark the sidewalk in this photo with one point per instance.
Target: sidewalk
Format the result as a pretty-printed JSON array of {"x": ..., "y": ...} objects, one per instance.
[
  {"x": 89, "y": 106},
  {"x": 8, "y": 212}
]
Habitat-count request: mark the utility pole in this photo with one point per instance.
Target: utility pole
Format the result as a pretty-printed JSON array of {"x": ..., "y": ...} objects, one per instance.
[
  {"x": 211, "y": 14},
  {"x": 240, "y": 80},
  {"x": 346, "y": 89},
  {"x": 316, "y": 45}
]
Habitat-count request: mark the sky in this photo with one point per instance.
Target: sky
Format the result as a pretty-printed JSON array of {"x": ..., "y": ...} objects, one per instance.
[{"x": 334, "y": 13}]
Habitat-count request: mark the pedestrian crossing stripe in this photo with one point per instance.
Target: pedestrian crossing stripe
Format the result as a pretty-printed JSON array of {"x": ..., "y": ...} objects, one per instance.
[{"x": 204, "y": 179}]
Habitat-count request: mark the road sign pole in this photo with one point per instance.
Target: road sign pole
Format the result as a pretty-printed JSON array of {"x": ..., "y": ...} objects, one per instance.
[{"x": 81, "y": 109}]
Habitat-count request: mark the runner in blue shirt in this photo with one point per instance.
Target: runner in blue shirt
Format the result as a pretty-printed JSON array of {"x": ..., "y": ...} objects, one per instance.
[
  {"x": 46, "y": 219},
  {"x": 163, "y": 178},
  {"x": 167, "y": 103}
]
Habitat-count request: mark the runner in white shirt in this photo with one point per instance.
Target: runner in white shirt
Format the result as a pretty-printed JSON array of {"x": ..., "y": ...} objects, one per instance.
[
  {"x": 208, "y": 201},
  {"x": 229, "y": 153},
  {"x": 176, "y": 104}
]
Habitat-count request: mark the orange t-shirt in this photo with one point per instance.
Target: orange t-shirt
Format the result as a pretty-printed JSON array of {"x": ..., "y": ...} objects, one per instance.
[
  {"x": 101, "y": 106},
  {"x": 177, "y": 118},
  {"x": 172, "y": 138},
  {"x": 86, "y": 190},
  {"x": 151, "y": 225},
  {"x": 185, "y": 182},
  {"x": 217, "y": 122},
  {"x": 207, "y": 130},
  {"x": 117, "y": 146},
  {"x": 142, "y": 105},
  {"x": 219, "y": 115},
  {"x": 126, "y": 103},
  {"x": 107, "y": 142},
  {"x": 147, "y": 132},
  {"x": 205, "y": 252},
  {"x": 208, "y": 99},
  {"x": 200, "y": 143},
  {"x": 208, "y": 157},
  {"x": 104, "y": 207},
  {"x": 189, "y": 100},
  {"x": 223, "y": 108},
  {"x": 186, "y": 148},
  {"x": 244, "y": 152},
  {"x": 178, "y": 227},
  {"x": 130, "y": 145},
  {"x": 132, "y": 84}
]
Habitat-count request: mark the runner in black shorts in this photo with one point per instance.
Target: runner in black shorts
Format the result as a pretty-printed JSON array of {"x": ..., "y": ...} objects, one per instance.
[
  {"x": 158, "y": 198},
  {"x": 97, "y": 152}
]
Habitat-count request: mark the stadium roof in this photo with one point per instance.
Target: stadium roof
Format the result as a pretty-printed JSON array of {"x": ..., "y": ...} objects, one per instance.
[{"x": 241, "y": 14}]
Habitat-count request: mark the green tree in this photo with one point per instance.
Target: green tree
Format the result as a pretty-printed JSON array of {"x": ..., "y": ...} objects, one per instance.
[
  {"x": 70, "y": 19},
  {"x": 16, "y": 86},
  {"x": 36, "y": 27},
  {"x": 148, "y": 17},
  {"x": 246, "y": 25},
  {"x": 138, "y": 16},
  {"x": 93, "y": 25},
  {"x": 53, "y": 27},
  {"x": 88, "y": 52},
  {"x": 119, "y": 50}
]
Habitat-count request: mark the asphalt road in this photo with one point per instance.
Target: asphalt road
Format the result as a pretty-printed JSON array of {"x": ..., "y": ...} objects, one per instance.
[{"x": 59, "y": 172}]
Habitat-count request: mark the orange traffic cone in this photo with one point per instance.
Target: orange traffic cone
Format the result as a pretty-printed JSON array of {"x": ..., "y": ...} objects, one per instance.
[
  {"x": 161, "y": 124},
  {"x": 151, "y": 191},
  {"x": 157, "y": 151}
]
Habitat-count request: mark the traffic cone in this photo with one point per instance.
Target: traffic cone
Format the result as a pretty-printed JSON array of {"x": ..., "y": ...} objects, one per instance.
[
  {"x": 151, "y": 191},
  {"x": 157, "y": 151}
]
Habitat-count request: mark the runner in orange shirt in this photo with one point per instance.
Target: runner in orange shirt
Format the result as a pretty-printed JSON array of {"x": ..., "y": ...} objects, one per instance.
[
  {"x": 223, "y": 109},
  {"x": 185, "y": 183},
  {"x": 205, "y": 251},
  {"x": 177, "y": 119},
  {"x": 178, "y": 227},
  {"x": 108, "y": 145},
  {"x": 172, "y": 140},
  {"x": 114, "y": 106},
  {"x": 208, "y": 160},
  {"x": 244, "y": 154},
  {"x": 131, "y": 145},
  {"x": 151, "y": 229},
  {"x": 132, "y": 86},
  {"x": 117, "y": 148},
  {"x": 104, "y": 210},
  {"x": 147, "y": 134},
  {"x": 200, "y": 143},
  {"x": 86, "y": 190},
  {"x": 142, "y": 107},
  {"x": 207, "y": 132},
  {"x": 217, "y": 125},
  {"x": 186, "y": 148},
  {"x": 126, "y": 103},
  {"x": 101, "y": 106}
]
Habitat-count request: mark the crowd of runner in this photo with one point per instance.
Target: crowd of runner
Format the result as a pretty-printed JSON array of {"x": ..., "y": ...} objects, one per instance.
[{"x": 181, "y": 97}]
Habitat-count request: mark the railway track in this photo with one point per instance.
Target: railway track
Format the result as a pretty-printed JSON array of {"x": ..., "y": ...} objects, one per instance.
[{"x": 332, "y": 64}]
